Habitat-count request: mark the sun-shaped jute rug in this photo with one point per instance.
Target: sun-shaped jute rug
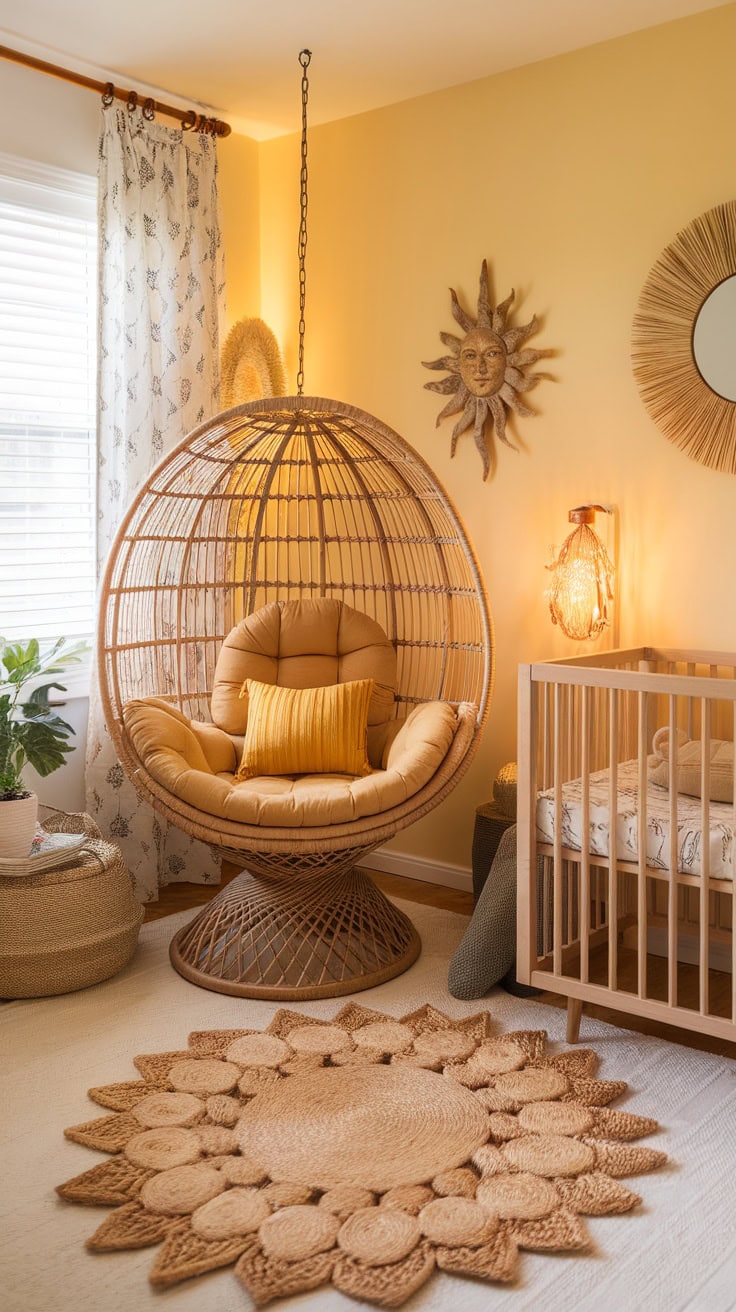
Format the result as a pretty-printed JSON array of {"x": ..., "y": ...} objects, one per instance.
[{"x": 362, "y": 1151}]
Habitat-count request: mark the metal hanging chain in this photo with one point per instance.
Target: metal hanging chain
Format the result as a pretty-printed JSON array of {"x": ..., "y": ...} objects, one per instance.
[{"x": 304, "y": 59}]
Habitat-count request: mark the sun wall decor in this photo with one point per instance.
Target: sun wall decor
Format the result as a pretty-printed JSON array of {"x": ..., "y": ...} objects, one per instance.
[
  {"x": 364, "y": 1152},
  {"x": 486, "y": 370}
]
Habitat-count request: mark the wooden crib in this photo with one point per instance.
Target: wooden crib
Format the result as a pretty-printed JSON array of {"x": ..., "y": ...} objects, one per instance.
[{"x": 635, "y": 915}]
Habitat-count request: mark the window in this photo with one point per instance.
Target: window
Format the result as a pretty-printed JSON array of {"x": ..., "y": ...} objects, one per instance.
[{"x": 48, "y": 279}]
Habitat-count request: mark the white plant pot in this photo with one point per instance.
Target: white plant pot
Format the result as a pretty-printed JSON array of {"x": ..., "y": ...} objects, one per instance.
[{"x": 18, "y": 826}]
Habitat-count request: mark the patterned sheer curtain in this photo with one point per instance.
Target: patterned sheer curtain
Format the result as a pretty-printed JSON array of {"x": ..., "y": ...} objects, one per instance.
[{"x": 161, "y": 299}]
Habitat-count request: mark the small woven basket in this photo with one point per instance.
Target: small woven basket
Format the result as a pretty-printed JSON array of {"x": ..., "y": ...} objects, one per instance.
[
  {"x": 504, "y": 789},
  {"x": 68, "y": 928}
]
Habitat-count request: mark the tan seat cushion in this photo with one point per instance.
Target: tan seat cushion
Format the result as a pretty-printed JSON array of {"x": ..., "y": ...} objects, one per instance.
[{"x": 198, "y": 763}]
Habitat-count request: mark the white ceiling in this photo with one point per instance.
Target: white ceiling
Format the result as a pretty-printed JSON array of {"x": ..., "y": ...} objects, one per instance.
[{"x": 240, "y": 57}]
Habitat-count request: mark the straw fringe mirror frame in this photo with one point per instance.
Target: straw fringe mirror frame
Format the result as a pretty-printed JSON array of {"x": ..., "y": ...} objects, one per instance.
[{"x": 688, "y": 410}]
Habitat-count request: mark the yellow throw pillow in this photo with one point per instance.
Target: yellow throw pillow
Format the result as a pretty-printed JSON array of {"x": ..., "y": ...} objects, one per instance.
[{"x": 306, "y": 730}]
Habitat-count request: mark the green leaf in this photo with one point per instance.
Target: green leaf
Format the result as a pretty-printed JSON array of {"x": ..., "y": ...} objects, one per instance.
[
  {"x": 72, "y": 656},
  {"x": 44, "y": 715},
  {"x": 42, "y": 747},
  {"x": 10, "y": 659},
  {"x": 31, "y": 732},
  {"x": 40, "y": 695}
]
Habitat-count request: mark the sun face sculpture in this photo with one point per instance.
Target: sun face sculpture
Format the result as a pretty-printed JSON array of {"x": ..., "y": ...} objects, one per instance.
[
  {"x": 363, "y": 1152},
  {"x": 486, "y": 369}
]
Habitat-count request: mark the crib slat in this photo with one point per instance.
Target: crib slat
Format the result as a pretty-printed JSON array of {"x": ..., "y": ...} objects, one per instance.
[
  {"x": 733, "y": 877},
  {"x": 705, "y": 723},
  {"x": 584, "y": 915},
  {"x": 548, "y": 910},
  {"x": 672, "y": 888},
  {"x": 570, "y": 771},
  {"x": 613, "y": 840},
  {"x": 642, "y": 847},
  {"x": 569, "y": 713},
  {"x": 691, "y": 675},
  {"x": 557, "y": 857},
  {"x": 527, "y": 892},
  {"x": 547, "y": 903},
  {"x": 543, "y": 694}
]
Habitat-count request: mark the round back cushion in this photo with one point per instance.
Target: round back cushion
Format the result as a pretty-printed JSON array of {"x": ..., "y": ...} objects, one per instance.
[{"x": 303, "y": 644}]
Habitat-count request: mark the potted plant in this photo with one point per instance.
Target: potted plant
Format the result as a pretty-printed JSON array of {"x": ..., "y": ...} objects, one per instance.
[{"x": 31, "y": 733}]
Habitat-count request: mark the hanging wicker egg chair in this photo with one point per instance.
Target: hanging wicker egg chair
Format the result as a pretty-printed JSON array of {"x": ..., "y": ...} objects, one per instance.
[{"x": 295, "y": 500}]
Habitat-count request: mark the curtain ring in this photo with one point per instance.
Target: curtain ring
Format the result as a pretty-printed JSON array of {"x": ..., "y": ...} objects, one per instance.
[
  {"x": 132, "y": 101},
  {"x": 108, "y": 94},
  {"x": 189, "y": 121},
  {"x": 149, "y": 109}
]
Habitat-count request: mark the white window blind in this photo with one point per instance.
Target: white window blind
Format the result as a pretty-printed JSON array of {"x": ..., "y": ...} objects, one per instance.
[{"x": 48, "y": 280}]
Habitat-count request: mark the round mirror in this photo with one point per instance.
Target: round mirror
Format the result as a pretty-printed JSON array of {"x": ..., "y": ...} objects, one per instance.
[
  {"x": 683, "y": 353},
  {"x": 714, "y": 339}
]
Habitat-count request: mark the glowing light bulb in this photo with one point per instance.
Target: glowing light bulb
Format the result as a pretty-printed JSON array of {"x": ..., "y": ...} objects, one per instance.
[{"x": 582, "y": 580}]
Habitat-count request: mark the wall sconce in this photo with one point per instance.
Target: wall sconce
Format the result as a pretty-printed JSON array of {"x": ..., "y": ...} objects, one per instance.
[{"x": 582, "y": 578}]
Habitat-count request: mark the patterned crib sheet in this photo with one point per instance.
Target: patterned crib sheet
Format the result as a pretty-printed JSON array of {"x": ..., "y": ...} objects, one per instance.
[{"x": 689, "y": 823}]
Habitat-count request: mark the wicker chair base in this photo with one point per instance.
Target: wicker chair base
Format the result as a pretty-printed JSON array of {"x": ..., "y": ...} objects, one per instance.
[{"x": 289, "y": 940}]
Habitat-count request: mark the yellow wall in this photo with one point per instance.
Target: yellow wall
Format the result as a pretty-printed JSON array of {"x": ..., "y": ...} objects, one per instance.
[
  {"x": 239, "y": 209},
  {"x": 570, "y": 176}
]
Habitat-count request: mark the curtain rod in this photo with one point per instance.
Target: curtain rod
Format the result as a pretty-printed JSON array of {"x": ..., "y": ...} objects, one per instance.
[{"x": 189, "y": 119}]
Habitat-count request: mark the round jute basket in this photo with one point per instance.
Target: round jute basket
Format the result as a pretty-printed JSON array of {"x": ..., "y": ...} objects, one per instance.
[{"x": 69, "y": 928}]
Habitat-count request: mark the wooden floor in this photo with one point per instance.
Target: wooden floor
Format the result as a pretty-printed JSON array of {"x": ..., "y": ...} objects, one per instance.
[{"x": 181, "y": 897}]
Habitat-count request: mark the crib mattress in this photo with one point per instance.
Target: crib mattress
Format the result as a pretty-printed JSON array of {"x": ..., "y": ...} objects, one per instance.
[{"x": 689, "y": 823}]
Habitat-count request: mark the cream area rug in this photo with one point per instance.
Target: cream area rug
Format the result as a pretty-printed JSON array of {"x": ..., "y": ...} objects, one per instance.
[{"x": 676, "y": 1250}]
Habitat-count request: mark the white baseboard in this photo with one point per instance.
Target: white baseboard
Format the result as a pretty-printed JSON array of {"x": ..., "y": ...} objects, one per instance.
[{"x": 421, "y": 868}]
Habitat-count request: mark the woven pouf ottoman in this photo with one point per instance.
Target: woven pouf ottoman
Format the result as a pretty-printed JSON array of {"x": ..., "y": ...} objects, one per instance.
[{"x": 67, "y": 928}]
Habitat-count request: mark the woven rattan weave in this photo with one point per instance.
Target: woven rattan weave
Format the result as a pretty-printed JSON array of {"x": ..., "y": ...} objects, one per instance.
[{"x": 278, "y": 501}]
